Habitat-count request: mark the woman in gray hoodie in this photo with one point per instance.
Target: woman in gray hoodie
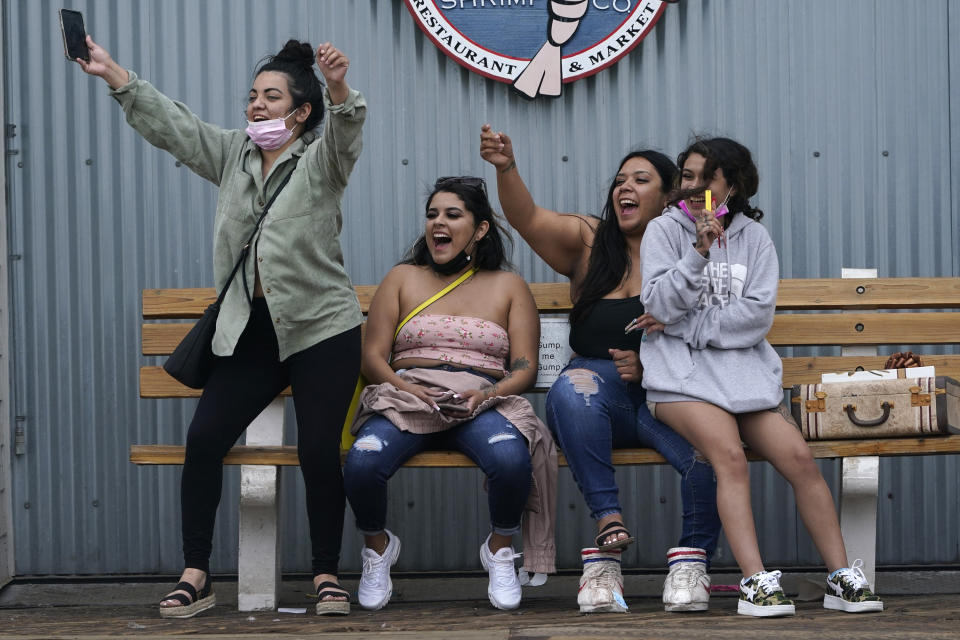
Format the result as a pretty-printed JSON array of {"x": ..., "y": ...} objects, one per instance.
[{"x": 710, "y": 276}]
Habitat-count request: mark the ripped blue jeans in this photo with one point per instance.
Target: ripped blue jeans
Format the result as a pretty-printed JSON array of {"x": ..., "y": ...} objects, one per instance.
[
  {"x": 591, "y": 411},
  {"x": 493, "y": 443}
]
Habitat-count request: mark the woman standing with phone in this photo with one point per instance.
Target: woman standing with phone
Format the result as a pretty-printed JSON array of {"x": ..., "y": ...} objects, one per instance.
[{"x": 298, "y": 318}]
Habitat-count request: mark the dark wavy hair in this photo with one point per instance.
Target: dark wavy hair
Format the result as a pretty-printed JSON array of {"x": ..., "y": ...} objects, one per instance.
[
  {"x": 295, "y": 60},
  {"x": 491, "y": 249},
  {"x": 608, "y": 255},
  {"x": 738, "y": 168}
]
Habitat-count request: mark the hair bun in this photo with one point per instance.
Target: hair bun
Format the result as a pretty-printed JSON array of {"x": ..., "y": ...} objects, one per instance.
[{"x": 296, "y": 52}]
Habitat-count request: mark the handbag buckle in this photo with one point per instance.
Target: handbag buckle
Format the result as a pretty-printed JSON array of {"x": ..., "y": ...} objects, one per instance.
[
  {"x": 918, "y": 399},
  {"x": 819, "y": 405}
]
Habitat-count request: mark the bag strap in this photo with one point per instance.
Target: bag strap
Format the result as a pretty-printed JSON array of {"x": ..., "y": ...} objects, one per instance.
[
  {"x": 429, "y": 301},
  {"x": 246, "y": 246}
]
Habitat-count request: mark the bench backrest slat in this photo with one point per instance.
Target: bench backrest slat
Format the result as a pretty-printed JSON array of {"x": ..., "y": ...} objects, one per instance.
[
  {"x": 787, "y": 330},
  {"x": 156, "y": 383},
  {"x": 864, "y": 322},
  {"x": 794, "y": 294}
]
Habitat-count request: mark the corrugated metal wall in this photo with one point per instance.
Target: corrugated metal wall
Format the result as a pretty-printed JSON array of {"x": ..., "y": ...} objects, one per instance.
[{"x": 847, "y": 105}]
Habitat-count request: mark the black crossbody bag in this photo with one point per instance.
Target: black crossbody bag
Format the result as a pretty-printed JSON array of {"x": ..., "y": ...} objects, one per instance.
[{"x": 192, "y": 361}]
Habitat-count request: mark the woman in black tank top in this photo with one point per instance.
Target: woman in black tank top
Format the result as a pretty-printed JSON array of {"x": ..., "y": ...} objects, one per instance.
[{"x": 597, "y": 404}]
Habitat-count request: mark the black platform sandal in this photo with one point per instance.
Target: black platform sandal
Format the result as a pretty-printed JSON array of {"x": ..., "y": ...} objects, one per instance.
[
  {"x": 611, "y": 529},
  {"x": 332, "y": 607},
  {"x": 192, "y": 605}
]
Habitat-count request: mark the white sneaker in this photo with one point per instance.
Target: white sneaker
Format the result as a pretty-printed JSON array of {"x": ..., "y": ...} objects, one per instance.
[
  {"x": 687, "y": 587},
  {"x": 504, "y": 588},
  {"x": 375, "y": 585},
  {"x": 601, "y": 585}
]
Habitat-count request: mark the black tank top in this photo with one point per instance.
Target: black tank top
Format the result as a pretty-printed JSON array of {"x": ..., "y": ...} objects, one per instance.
[{"x": 601, "y": 328}]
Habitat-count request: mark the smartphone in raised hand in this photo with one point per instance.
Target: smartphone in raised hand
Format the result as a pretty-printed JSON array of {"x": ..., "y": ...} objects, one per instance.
[{"x": 74, "y": 35}]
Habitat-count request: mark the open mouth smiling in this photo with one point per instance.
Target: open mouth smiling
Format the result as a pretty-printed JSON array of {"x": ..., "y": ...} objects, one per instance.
[
  {"x": 627, "y": 206},
  {"x": 441, "y": 239}
]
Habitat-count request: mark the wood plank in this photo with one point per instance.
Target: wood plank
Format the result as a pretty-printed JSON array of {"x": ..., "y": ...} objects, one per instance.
[
  {"x": 877, "y": 293},
  {"x": 158, "y": 339},
  {"x": 176, "y": 303},
  {"x": 287, "y": 455},
  {"x": 807, "y": 370},
  {"x": 796, "y": 293},
  {"x": 819, "y": 329},
  {"x": 939, "y": 327},
  {"x": 157, "y": 383}
]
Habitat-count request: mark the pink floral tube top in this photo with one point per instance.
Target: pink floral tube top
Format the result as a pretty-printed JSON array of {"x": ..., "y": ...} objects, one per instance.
[{"x": 457, "y": 340}]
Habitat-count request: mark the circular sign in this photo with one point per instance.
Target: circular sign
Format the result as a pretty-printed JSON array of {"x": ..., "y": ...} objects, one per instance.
[{"x": 536, "y": 45}]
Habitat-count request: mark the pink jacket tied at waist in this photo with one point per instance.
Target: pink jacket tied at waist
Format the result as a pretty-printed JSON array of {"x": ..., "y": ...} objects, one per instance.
[{"x": 409, "y": 413}]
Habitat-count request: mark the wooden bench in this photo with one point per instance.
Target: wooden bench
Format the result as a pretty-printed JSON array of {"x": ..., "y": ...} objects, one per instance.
[{"x": 853, "y": 313}]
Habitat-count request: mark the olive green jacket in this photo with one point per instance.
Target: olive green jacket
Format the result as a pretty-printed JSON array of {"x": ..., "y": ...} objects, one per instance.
[{"x": 297, "y": 251}]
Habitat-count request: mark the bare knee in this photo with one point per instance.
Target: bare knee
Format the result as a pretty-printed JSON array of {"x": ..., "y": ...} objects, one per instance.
[
  {"x": 797, "y": 464},
  {"x": 730, "y": 463}
]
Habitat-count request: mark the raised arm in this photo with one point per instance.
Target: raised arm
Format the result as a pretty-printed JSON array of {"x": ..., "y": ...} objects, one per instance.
[
  {"x": 341, "y": 143},
  {"x": 561, "y": 240},
  {"x": 164, "y": 123},
  {"x": 103, "y": 66}
]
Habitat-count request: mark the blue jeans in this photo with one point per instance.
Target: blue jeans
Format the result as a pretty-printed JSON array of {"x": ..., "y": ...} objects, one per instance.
[
  {"x": 495, "y": 445},
  {"x": 591, "y": 411}
]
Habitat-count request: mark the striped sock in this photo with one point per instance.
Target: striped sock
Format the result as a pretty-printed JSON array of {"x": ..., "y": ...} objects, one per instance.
[
  {"x": 592, "y": 554},
  {"x": 686, "y": 554}
]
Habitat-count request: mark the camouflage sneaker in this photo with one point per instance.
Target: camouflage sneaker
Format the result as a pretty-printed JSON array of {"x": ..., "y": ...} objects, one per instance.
[
  {"x": 761, "y": 596},
  {"x": 848, "y": 590}
]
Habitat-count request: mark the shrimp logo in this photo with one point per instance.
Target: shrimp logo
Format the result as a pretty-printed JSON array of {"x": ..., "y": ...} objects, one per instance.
[{"x": 536, "y": 45}]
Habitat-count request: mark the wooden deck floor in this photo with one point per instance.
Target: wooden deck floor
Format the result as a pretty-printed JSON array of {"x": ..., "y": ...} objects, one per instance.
[{"x": 936, "y": 616}]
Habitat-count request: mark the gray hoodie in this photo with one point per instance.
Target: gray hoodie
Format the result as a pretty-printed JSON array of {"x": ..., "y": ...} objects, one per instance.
[{"x": 717, "y": 313}]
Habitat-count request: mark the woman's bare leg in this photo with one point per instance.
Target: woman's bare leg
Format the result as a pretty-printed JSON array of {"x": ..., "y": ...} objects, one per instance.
[{"x": 769, "y": 434}]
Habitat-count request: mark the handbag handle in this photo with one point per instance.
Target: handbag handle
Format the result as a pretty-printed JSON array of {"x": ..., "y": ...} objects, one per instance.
[
  {"x": 429, "y": 301},
  {"x": 246, "y": 246},
  {"x": 851, "y": 410}
]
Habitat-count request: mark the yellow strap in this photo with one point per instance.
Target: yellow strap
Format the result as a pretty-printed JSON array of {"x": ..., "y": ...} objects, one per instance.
[{"x": 429, "y": 301}]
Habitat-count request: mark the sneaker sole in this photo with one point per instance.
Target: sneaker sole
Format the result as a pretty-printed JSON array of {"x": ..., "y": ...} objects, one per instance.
[
  {"x": 380, "y": 604},
  {"x": 611, "y": 607},
  {"x": 376, "y": 606},
  {"x": 501, "y": 606},
  {"x": 679, "y": 608},
  {"x": 837, "y": 603},
  {"x": 745, "y": 608}
]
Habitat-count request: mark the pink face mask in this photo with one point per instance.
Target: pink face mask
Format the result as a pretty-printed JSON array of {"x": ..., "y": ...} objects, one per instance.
[
  {"x": 270, "y": 134},
  {"x": 722, "y": 210}
]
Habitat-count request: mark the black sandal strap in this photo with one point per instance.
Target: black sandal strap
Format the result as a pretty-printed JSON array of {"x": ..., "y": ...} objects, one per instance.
[
  {"x": 611, "y": 525},
  {"x": 331, "y": 589},
  {"x": 179, "y": 597},
  {"x": 611, "y": 529},
  {"x": 189, "y": 588},
  {"x": 207, "y": 588}
]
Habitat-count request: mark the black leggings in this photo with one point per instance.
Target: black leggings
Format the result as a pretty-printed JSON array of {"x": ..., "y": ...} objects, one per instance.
[{"x": 241, "y": 386}]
